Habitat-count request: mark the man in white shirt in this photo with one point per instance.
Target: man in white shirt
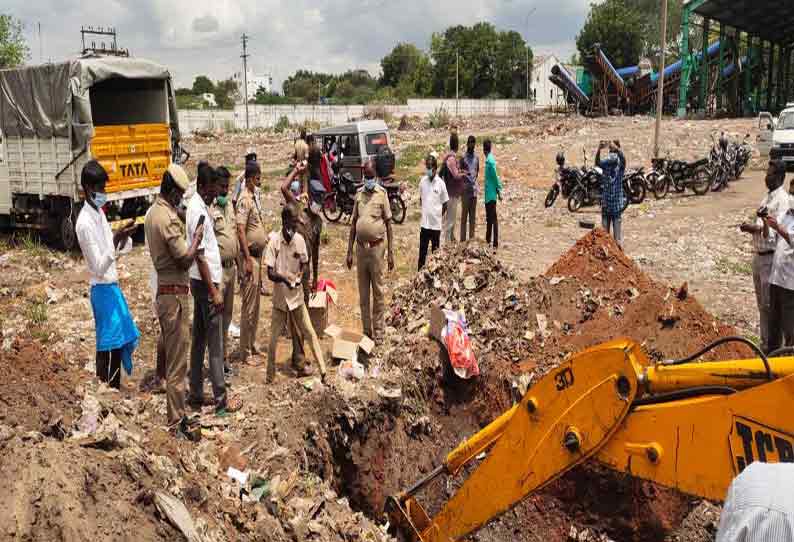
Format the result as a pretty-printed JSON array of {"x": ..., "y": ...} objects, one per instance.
[
  {"x": 206, "y": 276},
  {"x": 776, "y": 204},
  {"x": 759, "y": 506},
  {"x": 433, "y": 198},
  {"x": 781, "y": 316},
  {"x": 116, "y": 333}
]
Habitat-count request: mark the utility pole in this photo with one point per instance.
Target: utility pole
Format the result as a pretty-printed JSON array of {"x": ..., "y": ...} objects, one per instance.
[
  {"x": 457, "y": 84},
  {"x": 245, "y": 56},
  {"x": 660, "y": 95},
  {"x": 533, "y": 10}
]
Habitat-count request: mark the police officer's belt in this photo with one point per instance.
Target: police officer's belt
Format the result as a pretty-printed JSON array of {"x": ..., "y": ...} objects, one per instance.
[{"x": 172, "y": 289}]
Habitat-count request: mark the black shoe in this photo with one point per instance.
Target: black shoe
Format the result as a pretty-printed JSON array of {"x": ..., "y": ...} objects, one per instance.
[{"x": 186, "y": 431}]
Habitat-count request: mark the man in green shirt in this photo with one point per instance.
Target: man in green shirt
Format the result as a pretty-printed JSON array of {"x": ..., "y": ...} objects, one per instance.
[{"x": 493, "y": 192}]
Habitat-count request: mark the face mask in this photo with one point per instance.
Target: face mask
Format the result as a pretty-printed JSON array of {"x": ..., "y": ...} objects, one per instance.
[
  {"x": 369, "y": 184},
  {"x": 429, "y": 173},
  {"x": 100, "y": 199},
  {"x": 315, "y": 207},
  {"x": 295, "y": 187},
  {"x": 222, "y": 201}
]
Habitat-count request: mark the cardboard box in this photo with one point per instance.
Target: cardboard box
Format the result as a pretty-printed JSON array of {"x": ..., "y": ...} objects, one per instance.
[
  {"x": 346, "y": 343},
  {"x": 318, "y": 311},
  {"x": 438, "y": 321}
]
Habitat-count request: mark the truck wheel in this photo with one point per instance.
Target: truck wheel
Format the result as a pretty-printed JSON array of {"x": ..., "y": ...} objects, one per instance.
[{"x": 67, "y": 233}]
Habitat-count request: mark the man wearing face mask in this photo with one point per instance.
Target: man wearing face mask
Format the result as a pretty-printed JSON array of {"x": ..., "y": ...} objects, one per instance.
[
  {"x": 172, "y": 257},
  {"x": 116, "y": 333},
  {"x": 286, "y": 258},
  {"x": 433, "y": 199},
  {"x": 226, "y": 233},
  {"x": 775, "y": 203},
  {"x": 251, "y": 233},
  {"x": 206, "y": 276},
  {"x": 310, "y": 226},
  {"x": 371, "y": 222}
]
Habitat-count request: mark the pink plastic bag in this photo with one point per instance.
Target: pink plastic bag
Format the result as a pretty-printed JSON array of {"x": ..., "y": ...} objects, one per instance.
[{"x": 458, "y": 343}]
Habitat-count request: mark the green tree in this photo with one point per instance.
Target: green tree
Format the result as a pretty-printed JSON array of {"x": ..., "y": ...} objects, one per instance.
[
  {"x": 491, "y": 62},
  {"x": 13, "y": 47},
  {"x": 652, "y": 11},
  {"x": 618, "y": 28},
  {"x": 184, "y": 91},
  {"x": 203, "y": 85},
  {"x": 226, "y": 93},
  {"x": 400, "y": 63},
  {"x": 513, "y": 59}
]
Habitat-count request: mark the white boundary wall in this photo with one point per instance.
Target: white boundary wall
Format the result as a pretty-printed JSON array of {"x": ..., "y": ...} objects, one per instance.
[{"x": 266, "y": 116}]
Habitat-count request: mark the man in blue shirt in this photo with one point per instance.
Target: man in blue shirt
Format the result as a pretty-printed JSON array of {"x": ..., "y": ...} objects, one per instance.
[{"x": 614, "y": 165}]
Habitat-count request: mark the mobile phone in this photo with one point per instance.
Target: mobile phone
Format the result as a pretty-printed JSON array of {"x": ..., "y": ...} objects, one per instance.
[{"x": 201, "y": 220}]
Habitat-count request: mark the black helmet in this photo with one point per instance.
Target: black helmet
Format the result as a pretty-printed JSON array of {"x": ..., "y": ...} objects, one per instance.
[
  {"x": 560, "y": 158},
  {"x": 723, "y": 141}
]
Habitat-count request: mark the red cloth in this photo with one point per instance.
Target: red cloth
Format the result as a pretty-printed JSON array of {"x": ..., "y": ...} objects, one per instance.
[
  {"x": 325, "y": 172},
  {"x": 461, "y": 355}
]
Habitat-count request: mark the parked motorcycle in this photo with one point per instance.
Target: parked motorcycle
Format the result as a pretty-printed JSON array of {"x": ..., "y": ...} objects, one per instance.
[
  {"x": 565, "y": 179},
  {"x": 680, "y": 175},
  {"x": 340, "y": 199},
  {"x": 744, "y": 152},
  {"x": 587, "y": 190},
  {"x": 720, "y": 164},
  {"x": 395, "y": 189}
]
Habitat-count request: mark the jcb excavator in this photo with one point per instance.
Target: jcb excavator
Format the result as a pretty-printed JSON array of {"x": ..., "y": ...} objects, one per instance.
[{"x": 686, "y": 424}]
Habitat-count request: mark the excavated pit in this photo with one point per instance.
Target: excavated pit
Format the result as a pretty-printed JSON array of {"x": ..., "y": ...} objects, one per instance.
[{"x": 591, "y": 295}]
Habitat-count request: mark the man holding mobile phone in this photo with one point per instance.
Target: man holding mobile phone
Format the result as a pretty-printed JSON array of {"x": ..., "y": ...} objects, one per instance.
[{"x": 775, "y": 203}]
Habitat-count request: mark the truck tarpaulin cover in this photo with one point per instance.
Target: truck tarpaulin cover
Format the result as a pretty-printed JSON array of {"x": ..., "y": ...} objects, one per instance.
[{"x": 49, "y": 100}]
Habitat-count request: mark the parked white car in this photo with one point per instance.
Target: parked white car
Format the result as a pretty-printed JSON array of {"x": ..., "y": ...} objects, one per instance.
[{"x": 776, "y": 138}]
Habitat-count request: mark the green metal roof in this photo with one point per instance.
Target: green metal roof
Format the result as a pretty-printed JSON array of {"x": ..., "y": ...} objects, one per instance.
[{"x": 771, "y": 19}]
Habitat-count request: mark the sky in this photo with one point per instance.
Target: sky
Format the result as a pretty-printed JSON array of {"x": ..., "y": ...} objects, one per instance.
[{"x": 194, "y": 37}]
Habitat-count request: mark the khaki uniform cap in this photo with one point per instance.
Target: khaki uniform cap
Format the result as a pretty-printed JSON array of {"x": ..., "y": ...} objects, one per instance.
[{"x": 180, "y": 177}]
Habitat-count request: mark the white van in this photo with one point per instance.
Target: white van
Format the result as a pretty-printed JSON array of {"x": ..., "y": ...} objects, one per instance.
[{"x": 776, "y": 138}]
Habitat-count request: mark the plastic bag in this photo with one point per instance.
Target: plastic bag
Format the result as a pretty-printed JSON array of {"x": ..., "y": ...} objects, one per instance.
[{"x": 458, "y": 344}]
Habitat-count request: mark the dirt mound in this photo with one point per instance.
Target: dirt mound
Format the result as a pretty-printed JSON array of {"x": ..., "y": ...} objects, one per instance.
[
  {"x": 520, "y": 330},
  {"x": 52, "y": 491},
  {"x": 37, "y": 388},
  {"x": 596, "y": 259},
  {"x": 612, "y": 297}
]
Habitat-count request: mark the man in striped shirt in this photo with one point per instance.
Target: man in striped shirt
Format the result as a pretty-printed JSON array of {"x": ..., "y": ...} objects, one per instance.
[{"x": 759, "y": 506}]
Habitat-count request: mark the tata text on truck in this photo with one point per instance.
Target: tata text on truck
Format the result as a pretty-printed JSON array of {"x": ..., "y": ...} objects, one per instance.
[{"x": 55, "y": 117}]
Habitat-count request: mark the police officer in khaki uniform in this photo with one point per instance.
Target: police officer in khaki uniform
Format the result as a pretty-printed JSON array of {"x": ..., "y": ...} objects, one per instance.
[
  {"x": 370, "y": 224},
  {"x": 253, "y": 240},
  {"x": 226, "y": 233},
  {"x": 171, "y": 256}
]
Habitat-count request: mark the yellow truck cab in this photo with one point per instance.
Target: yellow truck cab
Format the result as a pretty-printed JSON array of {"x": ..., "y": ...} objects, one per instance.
[{"x": 55, "y": 117}]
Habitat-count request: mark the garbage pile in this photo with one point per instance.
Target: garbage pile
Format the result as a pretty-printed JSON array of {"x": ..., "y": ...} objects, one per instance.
[{"x": 500, "y": 310}]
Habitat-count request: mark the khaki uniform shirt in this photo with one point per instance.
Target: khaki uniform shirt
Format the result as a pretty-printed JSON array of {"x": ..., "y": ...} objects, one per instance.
[
  {"x": 371, "y": 212},
  {"x": 250, "y": 215},
  {"x": 226, "y": 230},
  {"x": 286, "y": 259},
  {"x": 165, "y": 235}
]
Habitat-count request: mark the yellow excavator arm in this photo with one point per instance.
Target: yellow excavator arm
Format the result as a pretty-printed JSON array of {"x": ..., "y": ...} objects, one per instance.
[{"x": 688, "y": 425}]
